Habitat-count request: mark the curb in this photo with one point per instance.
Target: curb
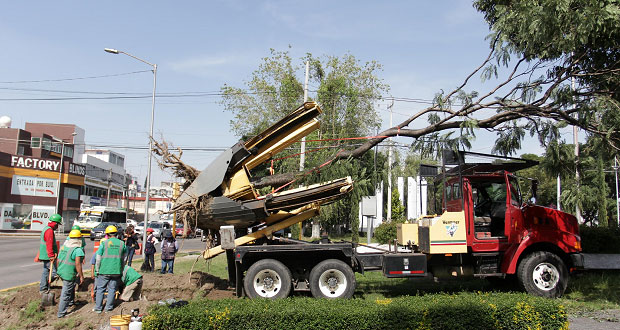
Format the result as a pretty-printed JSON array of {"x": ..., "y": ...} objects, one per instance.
[{"x": 18, "y": 286}]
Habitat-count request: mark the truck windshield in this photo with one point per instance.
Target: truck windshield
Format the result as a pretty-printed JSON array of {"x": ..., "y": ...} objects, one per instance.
[
  {"x": 89, "y": 218},
  {"x": 515, "y": 192},
  {"x": 490, "y": 198}
]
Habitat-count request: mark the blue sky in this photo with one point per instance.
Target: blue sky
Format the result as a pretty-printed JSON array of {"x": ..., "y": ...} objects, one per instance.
[{"x": 201, "y": 45}]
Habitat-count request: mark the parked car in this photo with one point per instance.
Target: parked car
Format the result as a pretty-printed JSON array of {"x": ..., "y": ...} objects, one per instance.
[
  {"x": 99, "y": 231},
  {"x": 181, "y": 228},
  {"x": 132, "y": 222},
  {"x": 158, "y": 228}
]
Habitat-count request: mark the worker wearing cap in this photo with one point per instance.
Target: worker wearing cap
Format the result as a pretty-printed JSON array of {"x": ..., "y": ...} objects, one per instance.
[
  {"x": 76, "y": 227},
  {"x": 149, "y": 250},
  {"x": 69, "y": 265},
  {"x": 48, "y": 251},
  {"x": 169, "y": 248},
  {"x": 109, "y": 267}
]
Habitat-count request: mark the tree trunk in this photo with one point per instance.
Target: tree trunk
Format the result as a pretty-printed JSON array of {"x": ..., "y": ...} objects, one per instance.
[{"x": 316, "y": 229}]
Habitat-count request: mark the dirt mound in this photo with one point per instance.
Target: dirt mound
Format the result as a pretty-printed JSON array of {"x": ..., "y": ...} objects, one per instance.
[{"x": 21, "y": 309}]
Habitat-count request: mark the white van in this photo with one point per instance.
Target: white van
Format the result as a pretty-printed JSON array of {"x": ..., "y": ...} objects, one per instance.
[{"x": 91, "y": 216}]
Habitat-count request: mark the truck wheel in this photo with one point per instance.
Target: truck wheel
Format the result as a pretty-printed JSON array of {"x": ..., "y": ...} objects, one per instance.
[
  {"x": 267, "y": 278},
  {"x": 543, "y": 274},
  {"x": 332, "y": 278}
]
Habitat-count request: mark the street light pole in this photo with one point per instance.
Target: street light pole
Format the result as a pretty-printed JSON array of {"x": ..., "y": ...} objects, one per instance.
[
  {"x": 148, "y": 175},
  {"x": 62, "y": 156},
  {"x": 617, "y": 199}
]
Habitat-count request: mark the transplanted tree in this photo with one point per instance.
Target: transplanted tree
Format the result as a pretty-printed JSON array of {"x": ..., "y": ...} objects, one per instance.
[{"x": 346, "y": 90}]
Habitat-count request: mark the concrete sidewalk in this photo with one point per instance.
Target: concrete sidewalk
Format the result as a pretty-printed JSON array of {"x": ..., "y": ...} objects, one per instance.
[{"x": 19, "y": 233}]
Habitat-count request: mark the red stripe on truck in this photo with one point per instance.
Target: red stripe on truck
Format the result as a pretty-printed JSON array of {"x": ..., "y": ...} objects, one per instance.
[{"x": 399, "y": 272}]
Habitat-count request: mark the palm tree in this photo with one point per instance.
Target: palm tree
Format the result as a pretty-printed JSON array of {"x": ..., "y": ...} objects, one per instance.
[{"x": 558, "y": 161}]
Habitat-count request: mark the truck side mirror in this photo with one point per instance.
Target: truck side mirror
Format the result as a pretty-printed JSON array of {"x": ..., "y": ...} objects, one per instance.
[{"x": 534, "y": 191}]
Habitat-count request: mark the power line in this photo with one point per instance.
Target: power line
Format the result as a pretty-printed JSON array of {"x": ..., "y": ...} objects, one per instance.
[
  {"x": 125, "y": 95},
  {"x": 69, "y": 79}
]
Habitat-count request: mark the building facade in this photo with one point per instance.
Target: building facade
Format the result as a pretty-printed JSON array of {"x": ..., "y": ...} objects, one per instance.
[
  {"x": 106, "y": 179},
  {"x": 38, "y": 176}
]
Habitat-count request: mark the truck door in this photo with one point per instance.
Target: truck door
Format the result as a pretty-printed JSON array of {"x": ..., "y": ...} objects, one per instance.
[
  {"x": 488, "y": 212},
  {"x": 514, "y": 215}
]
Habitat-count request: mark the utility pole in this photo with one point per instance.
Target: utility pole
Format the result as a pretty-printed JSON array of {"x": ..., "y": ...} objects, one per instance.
[
  {"x": 302, "y": 159},
  {"x": 617, "y": 199},
  {"x": 389, "y": 192},
  {"x": 576, "y": 142},
  {"x": 302, "y": 156},
  {"x": 175, "y": 195},
  {"x": 107, "y": 202},
  {"x": 558, "y": 193},
  {"x": 62, "y": 157},
  {"x": 59, "y": 200}
]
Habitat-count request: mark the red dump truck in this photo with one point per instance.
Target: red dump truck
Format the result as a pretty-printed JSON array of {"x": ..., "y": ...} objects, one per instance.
[{"x": 486, "y": 230}]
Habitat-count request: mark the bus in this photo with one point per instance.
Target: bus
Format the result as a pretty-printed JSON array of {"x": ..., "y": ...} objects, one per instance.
[{"x": 91, "y": 216}]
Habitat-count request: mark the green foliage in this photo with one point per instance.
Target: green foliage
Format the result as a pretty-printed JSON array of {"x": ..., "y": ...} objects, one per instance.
[
  {"x": 33, "y": 313},
  {"x": 68, "y": 323},
  {"x": 598, "y": 239},
  {"x": 546, "y": 191},
  {"x": 295, "y": 230},
  {"x": 509, "y": 139},
  {"x": 440, "y": 311},
  {"x": 559, "y": 160},
  {"x": 577, "y": 39},
  {"x": 593, "y": 290},
  {"x": 398, "y": 210},
  {"x": 602, "y": 193},
  {"x": 347, "y": 92},
  {"x": 386, "y": 231}
]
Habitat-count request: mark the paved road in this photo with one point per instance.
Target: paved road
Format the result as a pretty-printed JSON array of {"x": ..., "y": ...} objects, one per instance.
[{"x": 17, "y": 266}]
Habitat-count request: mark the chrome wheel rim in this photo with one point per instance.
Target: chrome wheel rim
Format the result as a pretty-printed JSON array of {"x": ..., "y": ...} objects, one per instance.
[
  {"x": 332, "y": 283},
  {"x": 545, "y": 276},
  {"x": 267, "y": 283}
]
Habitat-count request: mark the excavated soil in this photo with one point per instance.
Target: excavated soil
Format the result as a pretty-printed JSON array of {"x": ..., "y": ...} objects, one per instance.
[{"x": 156, "y": 287}]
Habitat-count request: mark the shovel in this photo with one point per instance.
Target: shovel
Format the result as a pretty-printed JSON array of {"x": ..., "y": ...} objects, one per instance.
[{"x": 48, "y": 297}]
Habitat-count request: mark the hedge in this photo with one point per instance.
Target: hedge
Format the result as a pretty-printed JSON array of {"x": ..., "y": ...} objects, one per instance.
[
  {"x": 597, "y": 239},
  {"x": 437, "y": 311}
]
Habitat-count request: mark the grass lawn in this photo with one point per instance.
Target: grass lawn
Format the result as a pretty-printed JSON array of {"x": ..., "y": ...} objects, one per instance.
[{"x": 586, "y": 291}]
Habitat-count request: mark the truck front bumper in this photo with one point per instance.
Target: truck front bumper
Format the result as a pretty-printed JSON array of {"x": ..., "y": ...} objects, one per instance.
[{"x": 595, "y": 261}]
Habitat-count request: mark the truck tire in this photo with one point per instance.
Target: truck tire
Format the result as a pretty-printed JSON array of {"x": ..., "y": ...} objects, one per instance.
[
  {"x": 543, "y": 274},
  {"x": 332, "y": 278},
  {"x": 267, "y": 278}
]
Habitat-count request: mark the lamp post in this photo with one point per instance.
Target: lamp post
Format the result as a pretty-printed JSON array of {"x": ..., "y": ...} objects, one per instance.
[
  {"x": 62, "y": 158},
  {"x": 148, "y": 175},
  {"x": 617, "y": 198}
]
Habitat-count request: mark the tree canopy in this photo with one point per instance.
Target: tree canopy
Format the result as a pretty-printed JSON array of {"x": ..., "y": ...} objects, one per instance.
[{"x": 346, "y": 90}]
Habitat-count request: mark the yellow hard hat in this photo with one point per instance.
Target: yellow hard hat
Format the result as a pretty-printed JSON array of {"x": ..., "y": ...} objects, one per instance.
[
  {"x": 110, "y": 229},
  {"x": 75, "y": 234}
]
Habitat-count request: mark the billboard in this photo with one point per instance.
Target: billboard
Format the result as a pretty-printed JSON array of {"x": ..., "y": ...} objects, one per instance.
[
  {"x": 33, "y": 186},
  {"x": 6, "y": 215},
  {"x": 40, "y": 216}
]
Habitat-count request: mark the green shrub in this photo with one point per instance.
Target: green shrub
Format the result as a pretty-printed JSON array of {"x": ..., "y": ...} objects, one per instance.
[
  {"x": 386, "y": 231},
  {"x": 439, "y": 311},
  {"x": 597, "y": 239}
]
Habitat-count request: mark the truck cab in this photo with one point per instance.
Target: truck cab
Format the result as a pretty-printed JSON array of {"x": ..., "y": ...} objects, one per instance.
[{"x": 506, "y": 235}]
